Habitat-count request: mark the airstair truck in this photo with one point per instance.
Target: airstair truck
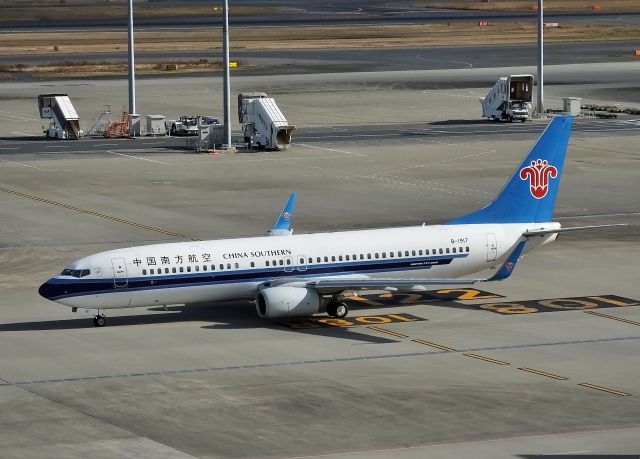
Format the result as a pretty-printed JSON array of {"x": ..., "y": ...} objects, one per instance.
[
  {"x": 264, "y": 125},
  {"x": 65, "y": 123},
  {"x": 509, "y": 99}
]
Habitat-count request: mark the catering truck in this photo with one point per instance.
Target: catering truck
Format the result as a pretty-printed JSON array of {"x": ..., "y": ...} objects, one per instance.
[
  {"x": 509, "y": 99},
  {"x": 263, "y": 124}
]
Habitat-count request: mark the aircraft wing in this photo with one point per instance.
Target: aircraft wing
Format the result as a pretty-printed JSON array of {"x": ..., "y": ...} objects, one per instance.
[
  {"x": 282, "y": 225},
  {"x": 329, "y": 285}
]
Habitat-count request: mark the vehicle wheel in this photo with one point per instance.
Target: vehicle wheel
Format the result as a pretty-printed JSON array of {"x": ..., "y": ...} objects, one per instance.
[
  {"x": 510, "y": 119},
  {"x": 99, "y": 321},
  {"x": 523, "y": 119}
]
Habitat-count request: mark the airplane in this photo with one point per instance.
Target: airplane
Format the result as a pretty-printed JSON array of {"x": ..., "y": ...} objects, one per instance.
[{"x": 300, "y": 275}]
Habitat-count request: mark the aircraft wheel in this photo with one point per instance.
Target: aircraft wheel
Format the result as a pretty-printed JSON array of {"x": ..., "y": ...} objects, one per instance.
[
  {"x": 99, "y": 321},
  {"x": 337, "y": 309},
  {"x": 342, "y": 310}
]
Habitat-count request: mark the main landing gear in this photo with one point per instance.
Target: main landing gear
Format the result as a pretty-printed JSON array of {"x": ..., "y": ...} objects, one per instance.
[
  {"x": 100, "y": 320},
  {"x": 337, "y": 309}
]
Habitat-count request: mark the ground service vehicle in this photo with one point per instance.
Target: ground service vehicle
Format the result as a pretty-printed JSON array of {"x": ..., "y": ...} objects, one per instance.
[
  {"x": 65, "y": 123},
  {"x": 264, "y": 125},
  {"x": 185, "y": 125},
  {"x": 509, "y": 99}
]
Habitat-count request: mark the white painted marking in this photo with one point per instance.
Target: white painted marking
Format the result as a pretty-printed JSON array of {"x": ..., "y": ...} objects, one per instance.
[
  {"x": 136, "y": 157},
  {"x": 105, "y": 144},
  {"x": 24, "y": 165},
  {"x": 24, "y": 134},
  {"x": 8, "y": 148},
  {"x": 569, "y": 452},
  {"x": 331, "y": 149}
]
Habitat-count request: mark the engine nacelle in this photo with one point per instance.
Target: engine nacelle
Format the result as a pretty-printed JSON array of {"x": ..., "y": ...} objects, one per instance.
[{"x": 276, "y": 302}]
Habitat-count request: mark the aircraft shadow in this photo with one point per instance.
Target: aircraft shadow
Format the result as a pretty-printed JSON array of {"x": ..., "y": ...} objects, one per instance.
[{"x": 228, "y": 316}]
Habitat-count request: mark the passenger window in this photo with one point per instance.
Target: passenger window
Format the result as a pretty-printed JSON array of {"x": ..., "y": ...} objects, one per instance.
[
  {"x": 340, "y": 257},
  {"x": 253, "y": 264},
  {"x": 326, "y": 259},
  {"x": 384, "y": 254},
  {"x": 441, "y": 251},
  {"x": 151, "y": 271},
  {"x": 390, "y": 254},
  {"x": 275, "y": 263},
  {"x": 447, "y": 249},
  {"x": 420, "y": 252},
  {"x": 181, "y": 269},
  {"x": 237, "y": 265},
  {"x": 280, "y": 262},
  {"x": 433, "y": 251},
  {"x": 228, "y": 265},
  {"x": 310, "y": 260},
  {"x": 377, "y": 255},
  {"x": 196, "y": 267},
  {"x": 460, "y": 250},
  {"x": 221, "y": 266},
  {"x": 213, "y": 267},
  {"x": 353, "y": 257},
  {"x": 204, "y": 267},
  {"x": 319, "y": 259},
  {"x": 144, "y": 272},
  {"x": 346, "y": 257},
  {"x": 467, "y": 249},
  {"x": 413, "y": 252},
  {"x": 406, "y": 253},
  {"x": 362, "y": 256},
  {"x": 333, "y": 258},
  {"x": 288, "y": 261},
  {"x": 173, "y": 269},
  {"x": 368, "y": 256},
  {"x": 266, "y": 263},
  {"x": 454, "y": 249}
]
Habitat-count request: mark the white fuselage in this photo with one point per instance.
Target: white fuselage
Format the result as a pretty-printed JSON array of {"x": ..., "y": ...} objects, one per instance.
[{"x": 230, "y": 269}]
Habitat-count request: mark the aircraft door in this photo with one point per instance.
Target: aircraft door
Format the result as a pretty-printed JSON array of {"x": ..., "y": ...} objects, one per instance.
[
  {"x": 288, "y": 264},
  {"x": 492, "y": 247},
  {"x": 302, "y": 263},
  {"x": 120, "y": 278}
]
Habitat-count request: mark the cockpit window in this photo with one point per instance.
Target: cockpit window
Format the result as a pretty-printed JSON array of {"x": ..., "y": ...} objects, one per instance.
[{"x": 78, "y": 273}]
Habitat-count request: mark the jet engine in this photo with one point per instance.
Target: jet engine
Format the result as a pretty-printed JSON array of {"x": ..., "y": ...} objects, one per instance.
[{"x": 276, "y": 302}]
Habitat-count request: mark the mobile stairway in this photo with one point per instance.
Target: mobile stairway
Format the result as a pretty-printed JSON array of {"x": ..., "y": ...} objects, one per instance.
[{"x": 65, "y": 123}]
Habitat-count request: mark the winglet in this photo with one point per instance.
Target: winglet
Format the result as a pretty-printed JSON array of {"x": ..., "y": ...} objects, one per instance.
[
  {"x": 510, "y": 263},
  {"x": 282, "y": 225}
]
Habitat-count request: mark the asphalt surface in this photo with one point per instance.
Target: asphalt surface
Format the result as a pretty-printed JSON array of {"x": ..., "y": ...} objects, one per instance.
[
  {"x": 319, "y": 12},
  {"x": 516, "y": 374},
  {"x": 374, "y": 59}
]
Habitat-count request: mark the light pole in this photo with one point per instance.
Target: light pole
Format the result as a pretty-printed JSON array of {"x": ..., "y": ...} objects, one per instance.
[
  {"x": 227, "y": 90},
  {"x": 540, "y": 58},
  {"x": 132, "y": 70}
]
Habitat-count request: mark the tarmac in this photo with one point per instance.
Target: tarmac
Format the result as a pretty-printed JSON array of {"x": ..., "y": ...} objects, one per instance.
[{"x": 542, "y": 364}]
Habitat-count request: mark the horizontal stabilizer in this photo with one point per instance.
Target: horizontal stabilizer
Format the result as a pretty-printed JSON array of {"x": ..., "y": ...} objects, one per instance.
[{"x": 542, "y": 232}]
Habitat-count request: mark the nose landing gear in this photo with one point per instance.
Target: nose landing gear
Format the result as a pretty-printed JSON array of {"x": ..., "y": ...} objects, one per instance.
[{"x": 99, "y": 320}]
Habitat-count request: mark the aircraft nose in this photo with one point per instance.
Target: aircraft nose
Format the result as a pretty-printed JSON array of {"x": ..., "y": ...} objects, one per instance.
[{"x": 48, "y": 290}]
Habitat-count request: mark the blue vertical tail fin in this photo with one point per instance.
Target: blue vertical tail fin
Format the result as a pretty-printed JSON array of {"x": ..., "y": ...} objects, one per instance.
[{"x": 530, "y": 194}]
